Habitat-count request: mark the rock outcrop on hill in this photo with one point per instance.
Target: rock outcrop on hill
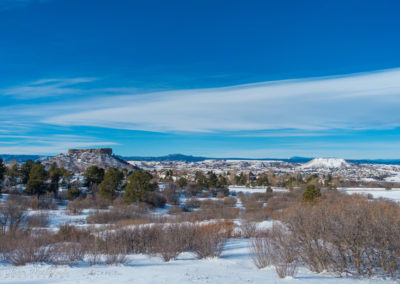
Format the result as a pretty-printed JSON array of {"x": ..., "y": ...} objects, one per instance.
[{"x": 78, "y": 160}]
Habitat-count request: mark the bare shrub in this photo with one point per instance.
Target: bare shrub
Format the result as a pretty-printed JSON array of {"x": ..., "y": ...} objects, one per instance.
[
  {"x": 169, "y": 246},
  {"x": 208, "y": 241},
  {"x": 193, "y": 203},
  {"x": 69, "y": 233},
  {"x": 40, "y": 219},
  {"x": 115, "y": 257},
  {"x": 75, "y": 207},
  {"x": 175, "y": 210},
  {"x": 230, "y": 201},
  {"x": 42, "y": 204},
  {"x": 220, "y": 195},
  {"x": 249, "y": 229},
  {"x": 12, "y": 214},
  {"x": 29, "y": 249},
  {"x": 215, "y": 209},
  {"x": 114, "y": 215},
  {"x": 254, "y": 210},
  {"x": 175, "y": 239},
  {"x": 112, "y": 246},
  {"x": 276, "y": 247},
  {"x": 262, "y": 252},
  {"x": 171, "y": 194},
  {"x": 347, "y": 234},
  {"x": 285, "y": 269},
  {"x": 94, "y": 253},
  {"x": 285, "y": 252},
  {"x": 66, "y": 253},
  {"x": 79, "y": 204}
]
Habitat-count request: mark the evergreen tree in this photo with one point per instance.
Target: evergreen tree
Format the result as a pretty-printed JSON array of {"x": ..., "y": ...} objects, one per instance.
[
  {"x": 201, "y": 179},
  {"x": 73, "y": 192},
  {"x": 55, "y": 174},
  {"x": 36, "y": 182},
  {"x": 138, "y": 185},
  {"x": 13, "y": 173},
  {"x": 109, "y": 185},
  {"x": 223, "y": 181},
  {"x": 3, "y": 169},
  {"x": 93, "y": 176},
  {"x": 262, "y": 180},
  {"x": 311, "y": 193},
  {"x": 25, "y": 170},
  {"x": 182, "y": 182},
  {"x": 212, "y": 180}
]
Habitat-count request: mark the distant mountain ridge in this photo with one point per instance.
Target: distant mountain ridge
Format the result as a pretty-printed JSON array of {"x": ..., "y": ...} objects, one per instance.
[
  {"x": 167, "y": 158},
  {"x": 23, "y": 158},
  {"x": 295, "y": 159},
  {"x": 189, "y": 158}
]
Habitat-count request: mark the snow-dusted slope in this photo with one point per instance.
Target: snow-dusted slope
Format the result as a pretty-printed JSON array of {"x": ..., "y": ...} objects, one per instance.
[{"x": 326, "y": 163}]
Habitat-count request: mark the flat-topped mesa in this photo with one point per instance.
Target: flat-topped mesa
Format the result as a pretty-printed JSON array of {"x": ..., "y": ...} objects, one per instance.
[{"x": 107, "y": 151}]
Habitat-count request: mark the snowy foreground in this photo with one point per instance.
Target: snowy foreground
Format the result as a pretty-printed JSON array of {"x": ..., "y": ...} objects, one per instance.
[{"x": 234, "y": 266}]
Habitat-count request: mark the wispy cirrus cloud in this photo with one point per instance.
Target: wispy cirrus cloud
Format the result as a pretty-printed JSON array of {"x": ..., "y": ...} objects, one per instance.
[
  {"x": 354, "y": 101},
  {"x": 287, "y": 108},
  {"x": 47, "y": 88}
]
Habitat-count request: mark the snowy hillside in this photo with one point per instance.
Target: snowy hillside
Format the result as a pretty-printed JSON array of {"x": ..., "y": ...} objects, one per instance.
[{"x": 326, "y": 163}]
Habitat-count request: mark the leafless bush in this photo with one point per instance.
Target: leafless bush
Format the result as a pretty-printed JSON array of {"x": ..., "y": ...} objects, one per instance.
[
  {"x": 29, "y": 249},
  {"x": 262, "y": 252},
  {"x": 285, "y": 269},
  {"x": 94, "y": 253},
  {"x": 115, "y": 257},
  {"x": 66, "y": 253},
  {"x": 69, "y": 233},
  {"x": 193, "y": 203},
  {"x": 175, "y": 239},
  {"x": 175, "y": 210},
  {"x": 215, "y": 209},
  {"x": 230, "y": 201},
  {"x": 79, "y": 204},
  {"x": 285, "y": 252},
  {"x": 12, "y": 214},
  {"x": 42, "y": 204},
  {"x": 249, "y": 229},
  {"x": 171, "y": 194},
  {"x": 114, "y": 215},
  {"x": 347, "y": 234},
  {"x": 208, "y": 241},
  {"x": 40, "y": 219},
  {"x": 276, "y": 247}
]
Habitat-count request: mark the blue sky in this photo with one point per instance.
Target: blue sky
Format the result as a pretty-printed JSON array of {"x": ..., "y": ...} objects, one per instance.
[{"x": 213, "y": 78}]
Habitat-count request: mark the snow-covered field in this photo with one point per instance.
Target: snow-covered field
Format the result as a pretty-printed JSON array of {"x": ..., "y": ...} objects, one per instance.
[
  {"x": 234, "y": 266},
  {"x": 393, "y": 194},
  {"x": 260, "y": 189}
]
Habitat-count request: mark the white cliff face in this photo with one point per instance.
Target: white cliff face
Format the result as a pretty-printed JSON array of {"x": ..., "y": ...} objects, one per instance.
[{"x": 326, "y": 163}]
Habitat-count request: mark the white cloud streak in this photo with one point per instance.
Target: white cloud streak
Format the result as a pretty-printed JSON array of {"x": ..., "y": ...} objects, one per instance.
[
  {"x": 46, "y": 88},
  {"x": 355, "y": 101}
]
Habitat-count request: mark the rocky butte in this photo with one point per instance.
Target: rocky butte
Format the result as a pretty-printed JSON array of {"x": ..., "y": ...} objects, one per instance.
[{"x": 78, "y": 160}]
